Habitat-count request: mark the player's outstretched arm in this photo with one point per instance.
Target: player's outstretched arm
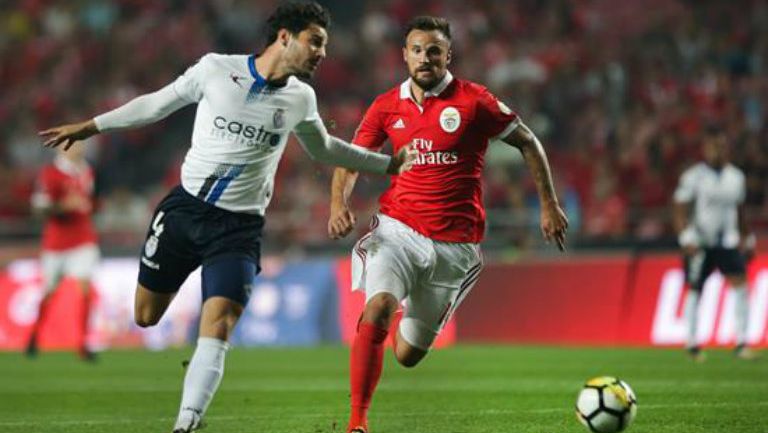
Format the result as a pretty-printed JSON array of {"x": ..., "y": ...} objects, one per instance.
[
  {"x": 332, "y": 150},
  {"x": 139, "y": 111},
  {"x": 342, "y": 219},
  {"x": 69, "y": 134},
  {"x": 554, "y": 223}
]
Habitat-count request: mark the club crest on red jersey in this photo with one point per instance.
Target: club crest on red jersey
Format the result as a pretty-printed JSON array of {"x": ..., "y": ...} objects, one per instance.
[{"x": 450, "y": 119}]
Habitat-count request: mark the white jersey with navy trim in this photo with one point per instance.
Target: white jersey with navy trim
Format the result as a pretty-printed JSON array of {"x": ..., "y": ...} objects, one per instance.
[
  {"x": 241, "y": 128},
  {"x": 240, "y": 131},
  {"x": 716, "y": 196}
]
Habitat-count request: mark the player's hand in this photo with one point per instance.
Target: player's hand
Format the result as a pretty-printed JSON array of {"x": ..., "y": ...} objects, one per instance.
[
  {"x": 341, "y": 222},
  {"x": 68, "y": 134},
  {"x": 554, "y": 224},
  {"x": 403, "y": 160}
]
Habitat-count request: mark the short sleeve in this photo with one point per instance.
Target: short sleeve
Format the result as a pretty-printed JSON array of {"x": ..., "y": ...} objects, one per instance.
[
  {"x": 191, "y": 83},
  {"x": 313, "y": 114},
  {"x": 686, "y": 188},
  {"x": 370, "y": 134},
  {"x": 494, "y": 118}
]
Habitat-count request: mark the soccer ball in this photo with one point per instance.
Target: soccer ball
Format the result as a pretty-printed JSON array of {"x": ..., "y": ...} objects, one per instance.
[{"x": 606, "y": 405}]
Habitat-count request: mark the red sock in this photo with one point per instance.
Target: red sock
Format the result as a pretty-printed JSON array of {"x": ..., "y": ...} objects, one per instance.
[
  {"x": 85, "y": 314},
  {"x": 42, "y": 310},
  {"x": 365, "y": 364}
]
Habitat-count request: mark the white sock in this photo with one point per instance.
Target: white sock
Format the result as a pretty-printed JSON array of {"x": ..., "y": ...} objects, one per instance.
[
  {"x": 203, "y": 376},
  {"x": 742, "y": 313},
  {"x": 692, "y": 316}
]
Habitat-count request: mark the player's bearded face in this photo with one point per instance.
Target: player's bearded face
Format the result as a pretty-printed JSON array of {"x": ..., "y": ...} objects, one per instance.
[
  {"x": 427, "y": 54},
  {"x": 305, "y": 51}
]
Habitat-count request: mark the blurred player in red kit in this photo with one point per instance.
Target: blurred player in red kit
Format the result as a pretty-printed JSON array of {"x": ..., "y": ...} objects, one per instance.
[
  {"x": 423, "y": 248},
  {"x": 64, "y": 197}
]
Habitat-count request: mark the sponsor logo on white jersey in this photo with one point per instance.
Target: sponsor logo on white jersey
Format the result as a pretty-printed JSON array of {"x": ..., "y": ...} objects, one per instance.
[
  {"x": 236, "y": 79},
  {"x": 248, "y": 135}
]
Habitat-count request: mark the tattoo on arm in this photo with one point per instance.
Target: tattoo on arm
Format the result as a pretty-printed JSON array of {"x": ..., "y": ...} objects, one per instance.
[{"x": 536, "y": 159}]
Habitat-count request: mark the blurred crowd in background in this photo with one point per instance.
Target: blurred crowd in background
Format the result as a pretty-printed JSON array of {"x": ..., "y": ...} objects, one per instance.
[{"x": 619, "y": 92}]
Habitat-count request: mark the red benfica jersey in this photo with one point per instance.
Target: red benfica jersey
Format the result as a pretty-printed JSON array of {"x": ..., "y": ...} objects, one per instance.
[
  {"x": 56, "y": 181},
  {"x": 441, "y": 197}
]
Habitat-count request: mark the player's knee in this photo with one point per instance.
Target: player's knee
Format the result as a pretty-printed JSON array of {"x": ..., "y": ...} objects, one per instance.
[
  {"x": 145, "y": 320},
  {"x": 145, "y": 317},
  {"x": 380, "y": 309},
  {"x": 220, "y": 328},
  {"x": 409, "y": 357}
]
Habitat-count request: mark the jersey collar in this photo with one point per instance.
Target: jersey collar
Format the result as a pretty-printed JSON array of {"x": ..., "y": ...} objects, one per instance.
[
  {"x": 259, "y": 82},
  {"x": 405, "y": 88}
]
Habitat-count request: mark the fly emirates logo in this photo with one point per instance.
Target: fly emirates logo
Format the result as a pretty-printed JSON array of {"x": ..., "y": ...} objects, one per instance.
[{"x": 429, "y": 157}]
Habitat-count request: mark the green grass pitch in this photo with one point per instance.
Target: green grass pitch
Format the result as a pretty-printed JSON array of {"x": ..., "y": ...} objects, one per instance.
[{"x": 468, "y": 389}]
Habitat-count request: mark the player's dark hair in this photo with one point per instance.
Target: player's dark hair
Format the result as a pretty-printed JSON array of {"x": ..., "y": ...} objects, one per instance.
[
  {"x": 296, "y": 17},
  {"x": 428, "y": 23}
]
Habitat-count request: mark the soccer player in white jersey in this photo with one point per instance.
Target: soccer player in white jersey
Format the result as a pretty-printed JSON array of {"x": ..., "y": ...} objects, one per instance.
[
  {"x": 247, "y": 106},
  {"x": 716, "y": 236}
]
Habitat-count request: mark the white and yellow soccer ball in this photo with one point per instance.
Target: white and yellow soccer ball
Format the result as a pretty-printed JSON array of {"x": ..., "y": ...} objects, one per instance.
[{"x": 606, "y": 405}]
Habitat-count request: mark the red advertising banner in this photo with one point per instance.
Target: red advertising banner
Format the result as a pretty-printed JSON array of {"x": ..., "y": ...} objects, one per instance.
[
  {"x": 21, "y": 297},
  {"x": 564, "y": 302},
  {"x": 624, "y": 301},
  {"x": 656, "y": 299},
  {"x": 615, "y": 300},
  {"x": 111, "y": 318}
]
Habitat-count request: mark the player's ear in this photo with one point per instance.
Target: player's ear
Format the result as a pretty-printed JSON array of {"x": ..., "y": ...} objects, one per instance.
[
  {"x": 405, "y": 54},
  {"x": 283, "y": 36},
  {"x": 450, "y": 56}
]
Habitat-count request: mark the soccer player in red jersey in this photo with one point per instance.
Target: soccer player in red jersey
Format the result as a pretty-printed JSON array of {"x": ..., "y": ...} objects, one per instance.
[
  {"x": 64, "y": 197},
  {"x": 423, "y": 245}
]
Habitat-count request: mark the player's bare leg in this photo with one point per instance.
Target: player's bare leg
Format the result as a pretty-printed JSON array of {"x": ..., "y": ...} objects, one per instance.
[
  {"x": 738, "y": 284},
  {"x": 691, "y": 317},
  {"x": 31, "y": 350},
  {"x": 42, "y": 309},
  {"x": 206, "y": 367},
  {"x": 367, "y": 357},
  {"x": 150, "y": 306},
  {"x": 83, "y": 351}
]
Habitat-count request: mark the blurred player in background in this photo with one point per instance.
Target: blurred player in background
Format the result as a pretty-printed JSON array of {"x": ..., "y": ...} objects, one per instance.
[
  {"x": 423, "y": 247},
  {"x": 247, "y": 106},
  {"x": 716, "y": 236},
  {"x": 64, "y": 197}
]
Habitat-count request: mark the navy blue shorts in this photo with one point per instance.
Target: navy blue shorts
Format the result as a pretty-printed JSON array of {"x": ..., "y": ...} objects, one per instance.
[
  {"x": 729, "y": 261},
  {"x": 186, "y": 232}
]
